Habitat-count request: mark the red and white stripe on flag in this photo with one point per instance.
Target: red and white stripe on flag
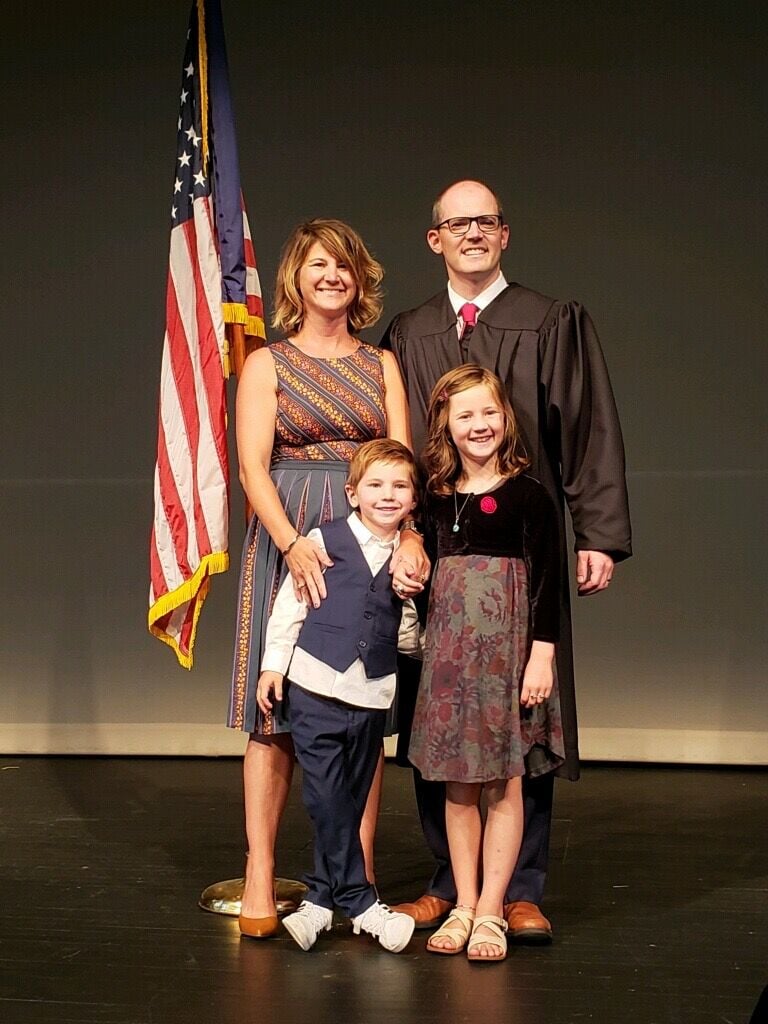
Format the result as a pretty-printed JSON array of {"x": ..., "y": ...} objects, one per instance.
[
  {"x": 191, "y": 520},
  {"x": 252, "y": 285},
  {"x": 250, "y": 314}
]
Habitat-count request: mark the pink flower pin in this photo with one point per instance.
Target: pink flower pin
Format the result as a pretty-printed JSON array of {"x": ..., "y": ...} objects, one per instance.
[{"x": 488, "y": 504}]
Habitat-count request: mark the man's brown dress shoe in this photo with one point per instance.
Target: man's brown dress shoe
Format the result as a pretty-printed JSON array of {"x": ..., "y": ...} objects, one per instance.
[
  {"x": 259, "y": 927},
  {"x": 527, "y": 924},
  {"x": 427, "y": 911}
]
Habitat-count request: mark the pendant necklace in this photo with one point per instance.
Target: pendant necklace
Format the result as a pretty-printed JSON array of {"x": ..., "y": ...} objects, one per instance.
[{"x": 455, "y": 527}]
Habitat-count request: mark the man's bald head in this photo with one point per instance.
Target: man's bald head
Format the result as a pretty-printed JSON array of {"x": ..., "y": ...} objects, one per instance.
[
  {"x": 465, "y": 191},
  {"x": 469, "y": 232}
]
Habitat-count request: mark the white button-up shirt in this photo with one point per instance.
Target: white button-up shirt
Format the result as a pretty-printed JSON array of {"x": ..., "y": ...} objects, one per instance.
[
  {"x": 352, "y": 686},
  {"x": 485, "y": 298}
]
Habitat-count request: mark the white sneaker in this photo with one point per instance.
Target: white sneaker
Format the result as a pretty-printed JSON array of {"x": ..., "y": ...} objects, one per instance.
[
  {"x": 393, "y": 930},
  {"x": 307, "y": 922}
]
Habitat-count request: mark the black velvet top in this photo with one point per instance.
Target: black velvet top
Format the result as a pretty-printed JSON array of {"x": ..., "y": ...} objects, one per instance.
[{"x": 517, "y": 519}]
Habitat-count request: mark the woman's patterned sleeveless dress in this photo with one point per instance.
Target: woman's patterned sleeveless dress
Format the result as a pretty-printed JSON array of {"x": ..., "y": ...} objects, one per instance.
[{"x": 326, "y": 408}]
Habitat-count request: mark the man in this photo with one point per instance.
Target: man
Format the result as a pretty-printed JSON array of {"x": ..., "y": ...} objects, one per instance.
[{"x": 549, "y": 357}]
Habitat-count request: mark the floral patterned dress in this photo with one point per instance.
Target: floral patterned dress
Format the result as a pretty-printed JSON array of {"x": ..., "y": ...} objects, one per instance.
[{"x": 495, "y": 591}]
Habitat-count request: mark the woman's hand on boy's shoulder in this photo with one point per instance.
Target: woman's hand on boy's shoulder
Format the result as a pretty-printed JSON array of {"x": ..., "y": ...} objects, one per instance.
[{"x": 307, "y": 560}]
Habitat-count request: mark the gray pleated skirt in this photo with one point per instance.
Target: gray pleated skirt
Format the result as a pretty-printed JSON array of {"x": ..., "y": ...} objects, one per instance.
[{"x": 312, "y": 493}]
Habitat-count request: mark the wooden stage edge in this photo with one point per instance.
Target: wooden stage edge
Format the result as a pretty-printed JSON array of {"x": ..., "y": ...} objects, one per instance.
[{"x": 117, "y": 739}]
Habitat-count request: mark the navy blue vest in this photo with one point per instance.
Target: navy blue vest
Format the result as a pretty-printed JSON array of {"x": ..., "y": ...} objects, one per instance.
[{"x": 360, "y": 617}]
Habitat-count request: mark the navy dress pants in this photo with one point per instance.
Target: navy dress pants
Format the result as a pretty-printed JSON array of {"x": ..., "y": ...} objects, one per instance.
[{"x": 338, "y": 748}]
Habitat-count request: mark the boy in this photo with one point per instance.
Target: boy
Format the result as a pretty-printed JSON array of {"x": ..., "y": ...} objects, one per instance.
[{"x": 341, "y": 659}]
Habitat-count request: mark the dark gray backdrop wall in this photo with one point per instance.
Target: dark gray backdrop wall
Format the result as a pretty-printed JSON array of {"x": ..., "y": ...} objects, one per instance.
[{"x": 628, "y": 143}]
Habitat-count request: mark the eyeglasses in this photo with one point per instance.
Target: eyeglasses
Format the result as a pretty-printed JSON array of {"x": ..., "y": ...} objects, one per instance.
[{"x": 487, "y": 222}]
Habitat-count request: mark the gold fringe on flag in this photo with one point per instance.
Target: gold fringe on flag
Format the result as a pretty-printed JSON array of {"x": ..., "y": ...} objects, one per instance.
[
  {"x": 194, "y": 589},
  {"x": 237, "y": 313}
]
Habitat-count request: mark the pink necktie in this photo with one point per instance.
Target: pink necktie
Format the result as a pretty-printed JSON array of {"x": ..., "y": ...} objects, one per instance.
[{"x": 468, "y": 314}]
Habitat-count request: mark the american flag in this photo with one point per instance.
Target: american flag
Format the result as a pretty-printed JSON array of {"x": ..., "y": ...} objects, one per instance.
[{"x": 212, "y": 283}]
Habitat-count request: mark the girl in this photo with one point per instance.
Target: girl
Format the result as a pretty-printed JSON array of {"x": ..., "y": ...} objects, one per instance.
[{"x": 491, "y": 632}]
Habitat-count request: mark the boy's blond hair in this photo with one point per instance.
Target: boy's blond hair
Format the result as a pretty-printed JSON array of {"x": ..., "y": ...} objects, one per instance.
[{"x": 383, "y": 449}]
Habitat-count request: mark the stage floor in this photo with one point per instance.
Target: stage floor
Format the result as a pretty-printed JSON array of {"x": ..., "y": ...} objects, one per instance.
[{"x": 658, "y": 894}]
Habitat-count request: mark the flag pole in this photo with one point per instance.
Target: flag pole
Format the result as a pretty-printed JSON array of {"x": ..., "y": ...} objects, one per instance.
[{"x": 240, "y": 347}]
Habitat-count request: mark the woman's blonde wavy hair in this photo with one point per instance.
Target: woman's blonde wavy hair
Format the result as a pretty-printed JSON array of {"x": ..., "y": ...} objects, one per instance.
[
  {"x": 441, "y": 456},
  {"x": 345, "y": 245}
]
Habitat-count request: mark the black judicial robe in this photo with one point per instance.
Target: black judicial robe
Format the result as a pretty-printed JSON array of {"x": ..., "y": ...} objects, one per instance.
[{"x": 548, "y": 354}]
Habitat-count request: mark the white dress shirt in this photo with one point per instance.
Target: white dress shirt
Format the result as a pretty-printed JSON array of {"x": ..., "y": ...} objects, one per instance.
[
  {"x": 352, "y": 686},
  {"x": 485, "y": 298}
]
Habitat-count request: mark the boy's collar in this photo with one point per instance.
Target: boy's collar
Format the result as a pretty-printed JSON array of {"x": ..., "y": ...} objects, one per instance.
[{"x": 363, "y": 534}]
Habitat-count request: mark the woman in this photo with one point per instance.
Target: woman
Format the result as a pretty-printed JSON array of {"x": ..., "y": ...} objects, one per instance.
[{"x": 303, "y": 406}]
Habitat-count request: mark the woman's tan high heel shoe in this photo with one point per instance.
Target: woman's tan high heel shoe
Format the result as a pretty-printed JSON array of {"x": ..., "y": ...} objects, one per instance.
[{"x": 259, "y": 927}]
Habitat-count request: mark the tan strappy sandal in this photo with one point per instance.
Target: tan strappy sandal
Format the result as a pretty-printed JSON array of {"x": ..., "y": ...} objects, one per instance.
[
  {"x": 498, "y": 937},
  {"x": 458, "y": 935}
]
